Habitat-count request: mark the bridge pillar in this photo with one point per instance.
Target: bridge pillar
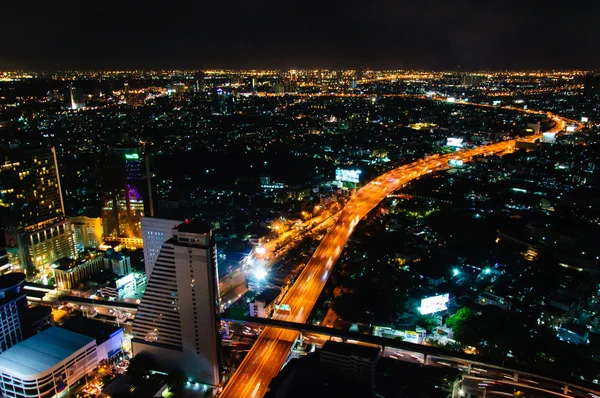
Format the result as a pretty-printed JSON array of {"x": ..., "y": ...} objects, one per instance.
[
  {"x": 469, "y": 366},
  {"x": 300, "y": 337},
  {"x": 566, "y": 389},
  {"x": 516, "y": 377},
  {"x": 424, "y": 359},
  {"x": 227, "y": 328}
]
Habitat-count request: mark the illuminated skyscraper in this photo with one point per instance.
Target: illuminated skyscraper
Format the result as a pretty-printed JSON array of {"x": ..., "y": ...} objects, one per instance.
[
  {"x": 177, "y": 322},
  {"x": 32, "y": 210},
  {"x": 125, "y": 192}
]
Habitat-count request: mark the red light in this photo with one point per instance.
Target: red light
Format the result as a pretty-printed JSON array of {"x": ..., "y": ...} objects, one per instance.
[{"x": 187, "y": 220}]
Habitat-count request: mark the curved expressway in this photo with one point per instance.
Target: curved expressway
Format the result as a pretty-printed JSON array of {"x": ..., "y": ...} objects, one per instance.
[{"x": 272, "y": 348}]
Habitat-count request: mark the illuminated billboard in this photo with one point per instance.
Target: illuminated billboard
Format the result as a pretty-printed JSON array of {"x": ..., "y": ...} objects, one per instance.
[
  {"x": 132, "y": 156},
  {"x": 450, "y": 100},
  {"x": 455, "y": 142},
  {"x": 571, "y": 129},
  {"x": 430, "y": 305},
  {"x": 549, "y": 138},
  {"x": 456, "y": 162},
  {"x": 584, "y": 119},
  {"x": 347, "y": 175}
]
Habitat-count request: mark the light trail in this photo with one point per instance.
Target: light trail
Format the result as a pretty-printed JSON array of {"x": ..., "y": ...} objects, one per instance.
[{"x": 273, "y": 345}]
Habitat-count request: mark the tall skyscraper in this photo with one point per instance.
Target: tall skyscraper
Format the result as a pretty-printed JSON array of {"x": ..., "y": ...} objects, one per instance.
[
  {"x": 177, "y": 322},
  {"x": 155, "y": 232},
  {"x": 124, "y": 191},
  {"x": 32, "y": 210}
]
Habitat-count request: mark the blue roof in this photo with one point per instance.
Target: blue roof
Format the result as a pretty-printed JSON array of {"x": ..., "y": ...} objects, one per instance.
[{"x": 42, "y": 352}]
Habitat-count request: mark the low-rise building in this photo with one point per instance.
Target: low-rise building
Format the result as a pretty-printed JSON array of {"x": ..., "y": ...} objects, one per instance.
[
  {"x": 574, "y": 334},
  {"x": 350, "y": 360},
  {"x": 109, "y": 338},
  {"x": 265, "y": 302},
  {"x": 47, "y": 364},
  {"x": 119, "y": 262},
  {"x": 487, "y": 298},
  {"x": 69, "y": 273}
]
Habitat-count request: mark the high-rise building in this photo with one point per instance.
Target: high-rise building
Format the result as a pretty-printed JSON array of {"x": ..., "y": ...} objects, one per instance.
[
  {"x": 32, "y": 210},
  {"x": 124, "y": 192},
  {"x": 13, "y": 302},
  {"x": 155, "y": 232},
  {"x": 87, "y": 230},
  {"x": 177, "y": 322}
]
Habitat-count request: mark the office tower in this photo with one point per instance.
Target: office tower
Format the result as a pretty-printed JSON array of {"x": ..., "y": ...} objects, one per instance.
[
  {"x": 177, "y": 321},
  {"x": 88, "y": 231},
  {"x": 32, "y": 210},
  {"x": 13, "y": 302},
  {"x": 200, "y": 83},
  {"x": 124, "y": 192},
  {"x": 155, "y": 232}
]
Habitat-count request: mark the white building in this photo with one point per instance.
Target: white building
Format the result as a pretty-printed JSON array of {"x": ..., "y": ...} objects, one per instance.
[
  {"x": 177, "y": 322},
  {"x": 46, "y": 364},
  {"x": 155, "y": 232}
]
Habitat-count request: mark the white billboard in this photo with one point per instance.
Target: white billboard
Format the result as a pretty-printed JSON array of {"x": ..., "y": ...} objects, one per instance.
[
  {"x": 456, "y": 162},
  {"x": 430, "y": 305},
  {"x": 455, "y": 142},
  {"x": 571, "y": 129},
  {"x": 347, "y": 175}
]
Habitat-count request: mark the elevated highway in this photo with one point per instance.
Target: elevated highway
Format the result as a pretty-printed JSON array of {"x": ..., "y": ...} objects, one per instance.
[
  {"x": 475, "y": 367},
  {"x": 272, "y": 348}
]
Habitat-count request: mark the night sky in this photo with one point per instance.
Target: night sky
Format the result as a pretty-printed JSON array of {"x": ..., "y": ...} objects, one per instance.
[{"x": 495, "y": 34}]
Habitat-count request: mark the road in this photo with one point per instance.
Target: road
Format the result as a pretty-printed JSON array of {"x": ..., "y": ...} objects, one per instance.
[{"x": 270, "y": 351}]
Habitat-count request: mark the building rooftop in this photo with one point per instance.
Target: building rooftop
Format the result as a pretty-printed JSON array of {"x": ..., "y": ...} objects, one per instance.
[
  {"x": 350, "y": 349},
  {"x": 11, "y": 280},
  {"x": 268, "y": 295},
  {"x": 194, "y": 227},
  {"x": 42, "y": 351},
  {"x": 97, "y": 330}
]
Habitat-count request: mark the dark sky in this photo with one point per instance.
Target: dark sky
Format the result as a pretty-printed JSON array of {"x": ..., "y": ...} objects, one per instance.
[{"x": 496, "y": 34}]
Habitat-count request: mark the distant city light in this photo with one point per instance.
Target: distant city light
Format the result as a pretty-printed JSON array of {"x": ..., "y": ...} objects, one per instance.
[
  {"x": 487, "y": 271},
  {"x": 455, "y": 272},
  {"x": 260, "y": 250},
  {"x": 132, "y": 156}
]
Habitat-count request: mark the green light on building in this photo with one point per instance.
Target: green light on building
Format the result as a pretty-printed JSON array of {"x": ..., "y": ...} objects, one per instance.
[{"x": 132, "y": 156}]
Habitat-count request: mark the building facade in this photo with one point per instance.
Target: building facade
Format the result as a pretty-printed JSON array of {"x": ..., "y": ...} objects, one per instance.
[
  {"x": 119, "y": 263},
  {"x": 46, "y": 364},
  {"x": 155, "y": 232},
  {"x": 177, "y": 322},
  {"x": 32, "y": 209},
  {"x": 69, "y": 273},
  {"x": 87, "y": 232}
]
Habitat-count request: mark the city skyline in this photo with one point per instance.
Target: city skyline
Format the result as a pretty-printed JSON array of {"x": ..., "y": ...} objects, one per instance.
[{"x": 425, "y": 35}]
